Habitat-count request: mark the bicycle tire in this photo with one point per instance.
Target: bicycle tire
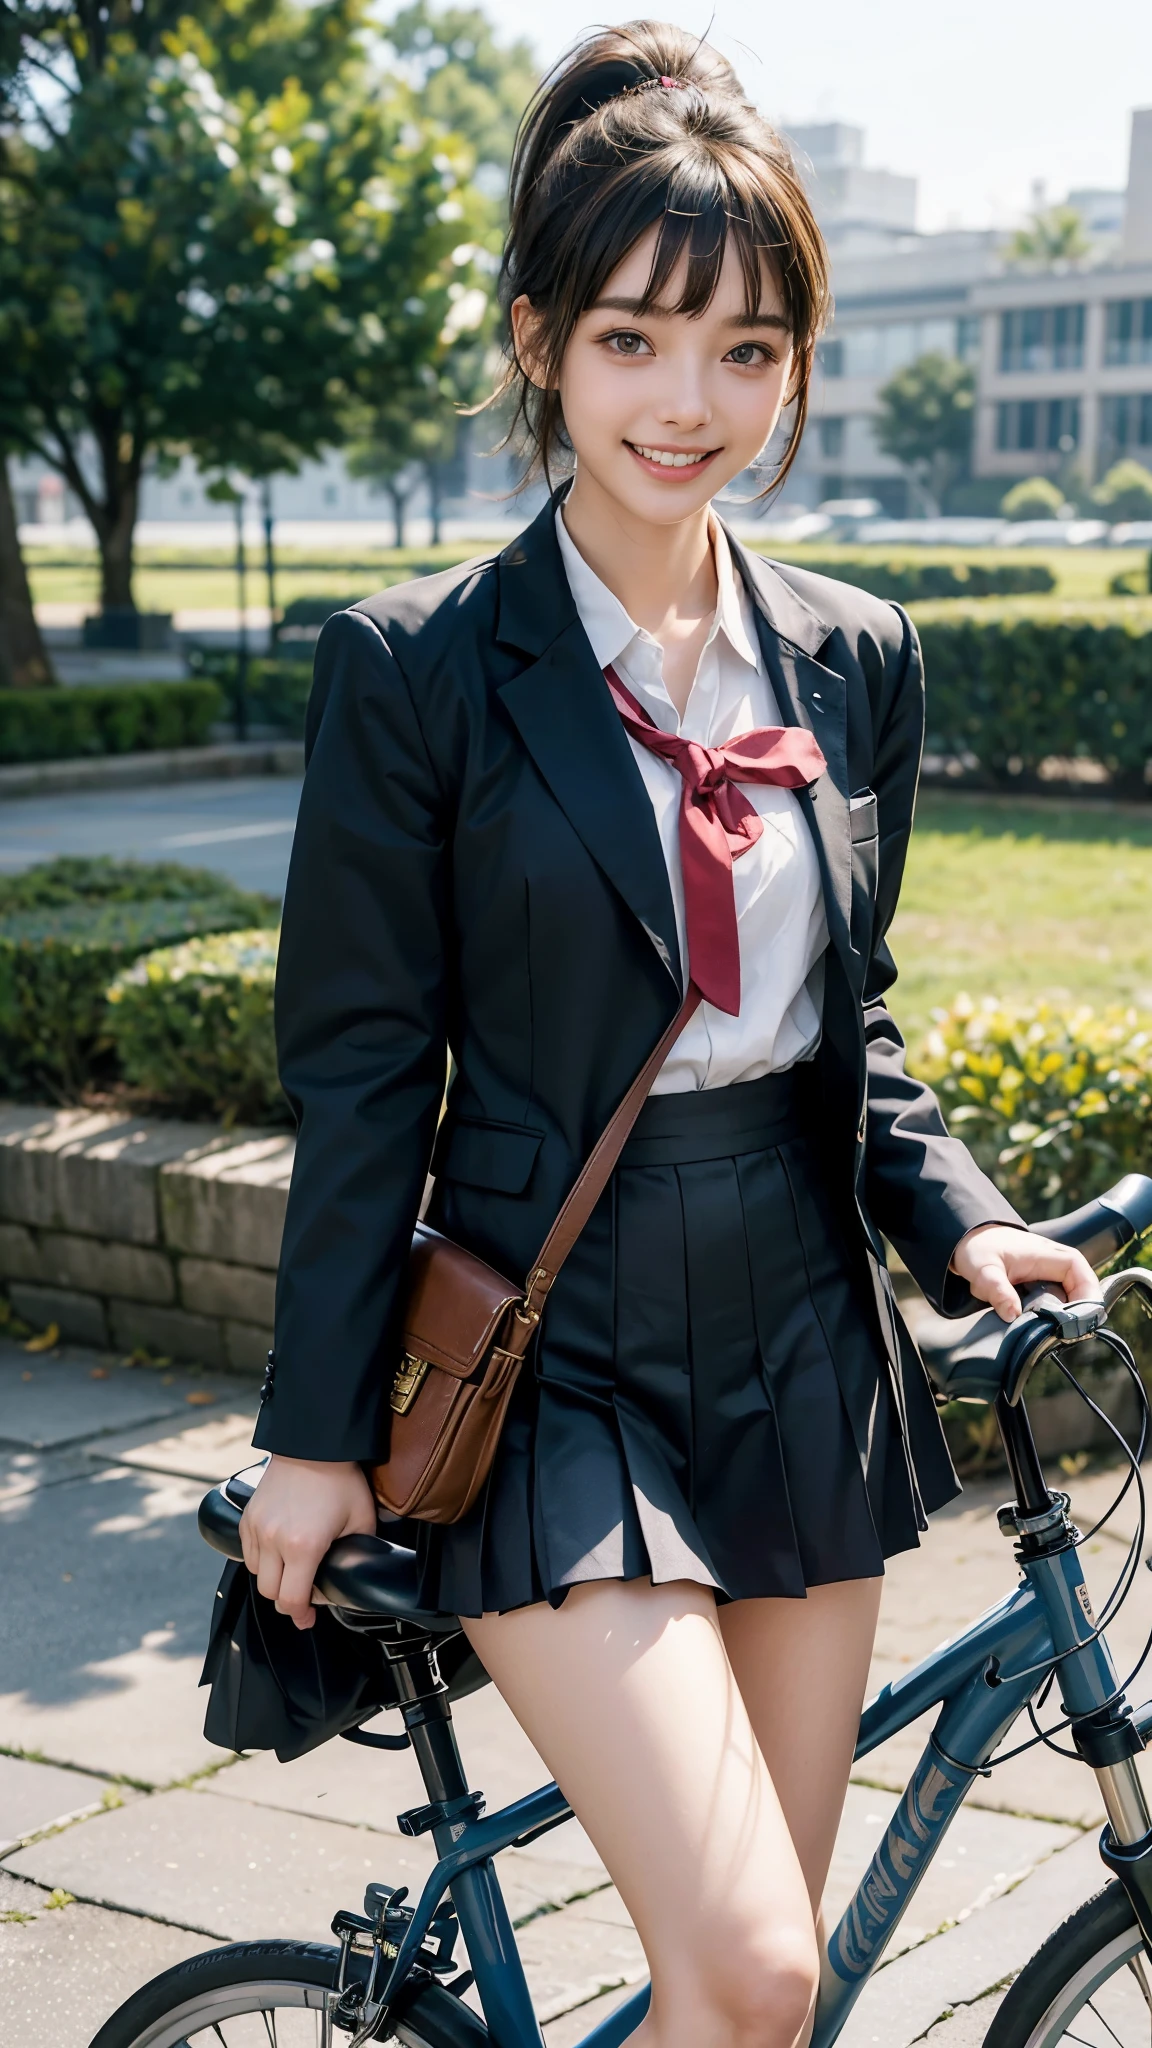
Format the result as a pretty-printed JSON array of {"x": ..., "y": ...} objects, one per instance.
[
  {"x": 1080, "y": 1985},
  {"x": 201, "y": 1995}
]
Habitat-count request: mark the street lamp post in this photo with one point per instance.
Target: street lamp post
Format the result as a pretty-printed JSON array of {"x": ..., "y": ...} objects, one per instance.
[
  {"x": 242, "y": 597},
  {"x": 269, "y": 564}
]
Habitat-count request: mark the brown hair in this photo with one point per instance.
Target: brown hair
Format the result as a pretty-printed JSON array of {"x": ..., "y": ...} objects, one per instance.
[{"x": 637, "y": 127}]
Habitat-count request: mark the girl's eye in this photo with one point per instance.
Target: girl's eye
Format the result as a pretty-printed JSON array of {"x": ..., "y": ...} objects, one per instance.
[
  {"x": 747, "y": 354},
  {"x": 628, "y": 344}
]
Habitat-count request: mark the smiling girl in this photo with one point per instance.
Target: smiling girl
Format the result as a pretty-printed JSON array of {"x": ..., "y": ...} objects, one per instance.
[{"x": 546, "y": 793}]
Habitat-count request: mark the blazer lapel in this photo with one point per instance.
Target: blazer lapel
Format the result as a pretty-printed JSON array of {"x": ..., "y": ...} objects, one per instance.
[
  {"x": 791, "y": 635},
  {"x": 561, "y": 708}
]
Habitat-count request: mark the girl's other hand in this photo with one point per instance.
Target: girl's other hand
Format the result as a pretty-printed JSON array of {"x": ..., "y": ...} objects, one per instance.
[
  {"x": 299, "y": 1509},
  {"x": 995, "y": 1259}
]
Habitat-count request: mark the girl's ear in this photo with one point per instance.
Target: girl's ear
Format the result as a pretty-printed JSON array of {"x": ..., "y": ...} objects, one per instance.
[{"x": 526, "y": 335}]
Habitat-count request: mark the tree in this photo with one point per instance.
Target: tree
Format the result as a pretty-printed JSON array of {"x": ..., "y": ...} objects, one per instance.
[
  {"x": 925, "y": 422},
  {"x": 216, "y": 229},
  {"x": 1053, "y": 235},
  {"x": 24, "y": 663},
  {"x": 1125, "y": 493},
  {"x": 468, "y": 83},
  {"x": 1035, "y": 497}
]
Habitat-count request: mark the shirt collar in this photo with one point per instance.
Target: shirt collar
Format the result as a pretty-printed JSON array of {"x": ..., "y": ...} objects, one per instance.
[{"x": 610, "y": 628}]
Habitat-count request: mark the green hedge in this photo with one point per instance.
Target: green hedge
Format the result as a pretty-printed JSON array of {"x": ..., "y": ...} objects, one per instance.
[
  {"x": 117, "y": 718},
  {"x": 66, "y": 928},
  {"x": 904, "y": 580},
  {"x": 1054, "y": 1102},
  {"x": 1012, "y": 685},
  {"x": 192, "y": 1025},
  {"x": 276, "y": 691}
]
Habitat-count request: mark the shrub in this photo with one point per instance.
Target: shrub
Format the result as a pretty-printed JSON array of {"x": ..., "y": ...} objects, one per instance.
[
  {"x": 193, "y": 1024},
  {"x": 84, "y": 878},
  {"x": 276, "y": 690},
  {"x": 1125, "y": 493},
  {"x": 1037, "y": 497},
  {"x": 906, "y": 582},
  {"x": 117, "y": 718},
  {"x": 1013, "y": 685},
  {"x": 65, "y": 929},
  {"x": 1054, "y": 1102}
]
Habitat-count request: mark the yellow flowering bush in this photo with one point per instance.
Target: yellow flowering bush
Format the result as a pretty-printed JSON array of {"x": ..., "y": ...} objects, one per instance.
[
  {"x": 1054, "y": 1101},
  {"x": 192, "y": 1025}
]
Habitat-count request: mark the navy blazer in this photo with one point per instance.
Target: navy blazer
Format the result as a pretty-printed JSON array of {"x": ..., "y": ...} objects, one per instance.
[{"x": 476, "y": 869}]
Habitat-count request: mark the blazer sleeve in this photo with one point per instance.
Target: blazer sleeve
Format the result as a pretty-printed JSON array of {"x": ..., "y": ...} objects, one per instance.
[
  {"x": 922, "y": 1188},
  {"x": 361, "y": 1042}
]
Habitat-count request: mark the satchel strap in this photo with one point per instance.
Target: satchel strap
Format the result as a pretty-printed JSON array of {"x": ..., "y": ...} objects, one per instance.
[{"x": 597, "y": 1171}]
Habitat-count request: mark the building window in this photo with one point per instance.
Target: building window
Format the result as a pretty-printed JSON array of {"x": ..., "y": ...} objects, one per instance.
[
  {"x": 831, "y": 358},
  {"x": 1126, "y": 421},
  {"x": 1042, "y": 338},
  {"x": 968, "y": 338},
  {"x": 331, "y": 494},
  {"x": 832, "y": 439},
  {"x": 1051, "y": 424},
  {"x": 1128, "y": 332}
]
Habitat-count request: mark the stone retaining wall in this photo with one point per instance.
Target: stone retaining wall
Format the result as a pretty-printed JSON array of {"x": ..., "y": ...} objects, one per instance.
[{"x": 128, "y": 1232}]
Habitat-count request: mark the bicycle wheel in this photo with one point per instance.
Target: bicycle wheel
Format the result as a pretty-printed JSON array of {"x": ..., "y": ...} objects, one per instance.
[
  {"x": 1090, "y": 1986},
  {"x": 272, "y": 1994}
]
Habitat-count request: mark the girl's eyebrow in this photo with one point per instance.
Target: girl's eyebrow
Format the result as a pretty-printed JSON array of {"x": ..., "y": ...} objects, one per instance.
[{"x": 638, "y": 310}]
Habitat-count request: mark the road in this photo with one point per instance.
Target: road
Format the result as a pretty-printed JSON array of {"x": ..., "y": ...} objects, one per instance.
[{"x": 242, "y": 828}]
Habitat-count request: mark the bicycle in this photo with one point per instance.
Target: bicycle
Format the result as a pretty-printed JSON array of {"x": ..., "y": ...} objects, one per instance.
[{"x": 393, "y": 1973}]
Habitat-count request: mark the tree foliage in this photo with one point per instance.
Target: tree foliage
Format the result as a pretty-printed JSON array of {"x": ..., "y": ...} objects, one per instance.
[
  {"x": 1034, "y": 497},
  {"x": 216, "y": 232},
  {"x": 925, "y": 420},
  {"x": 1053, "y": 235},
  {"x": 1126, "y": 492},
  {"x": 469, "y": 84}
]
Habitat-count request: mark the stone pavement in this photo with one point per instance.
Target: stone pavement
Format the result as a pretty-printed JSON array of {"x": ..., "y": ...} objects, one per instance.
[{"x": 127, "y": 1842}]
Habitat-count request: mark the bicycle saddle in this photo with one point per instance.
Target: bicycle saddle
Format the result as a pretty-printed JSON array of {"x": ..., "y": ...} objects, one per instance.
[
  {"x": 364, "y": 1575},
  {"x": 961, "y": 1353}
]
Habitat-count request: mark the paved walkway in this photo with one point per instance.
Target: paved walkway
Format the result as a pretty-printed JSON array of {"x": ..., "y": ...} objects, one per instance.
[{"x": 127, "y": 1842}]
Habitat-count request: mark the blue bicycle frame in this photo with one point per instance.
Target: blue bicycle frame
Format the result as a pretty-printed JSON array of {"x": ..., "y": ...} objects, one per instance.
[{"x": 981, "y": 1682}]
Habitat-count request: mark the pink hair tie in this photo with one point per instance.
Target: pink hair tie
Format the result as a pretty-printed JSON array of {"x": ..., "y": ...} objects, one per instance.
[{"x": 671, "y": 84}]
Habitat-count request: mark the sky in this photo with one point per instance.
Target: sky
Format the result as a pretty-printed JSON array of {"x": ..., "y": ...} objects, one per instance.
[{"x": 977, "y": 101}]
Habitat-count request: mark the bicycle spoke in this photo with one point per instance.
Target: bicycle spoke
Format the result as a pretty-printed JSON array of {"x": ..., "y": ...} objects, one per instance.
[
  {"x": 1136, "y": 1965},
  {"x": 269, "y": 2019},
  {"x": 1094, "y": 2008}
]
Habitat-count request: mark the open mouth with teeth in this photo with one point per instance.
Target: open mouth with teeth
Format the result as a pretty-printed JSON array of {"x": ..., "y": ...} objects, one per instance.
[{"x": 678, "y": 459}]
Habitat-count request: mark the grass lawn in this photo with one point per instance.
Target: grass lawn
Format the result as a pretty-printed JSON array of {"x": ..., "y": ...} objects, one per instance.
[
  {"x": 1081, "y": 573},
  {"x": 1016, "y": 897}
]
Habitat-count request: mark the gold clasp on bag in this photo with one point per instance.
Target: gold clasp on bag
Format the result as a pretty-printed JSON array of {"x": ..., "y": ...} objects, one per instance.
[{"x": 407, "y": 1383}]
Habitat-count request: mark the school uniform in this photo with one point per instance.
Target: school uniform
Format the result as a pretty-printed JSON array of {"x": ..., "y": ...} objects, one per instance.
[{"x": 486, "y": 859}]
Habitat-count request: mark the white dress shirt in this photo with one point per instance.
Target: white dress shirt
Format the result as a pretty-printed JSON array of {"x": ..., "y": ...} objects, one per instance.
[{"x": 779, "y": 901}]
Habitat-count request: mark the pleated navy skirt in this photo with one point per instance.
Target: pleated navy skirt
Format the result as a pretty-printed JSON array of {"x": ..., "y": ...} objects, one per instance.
[{"x": 710, "y": 1397}]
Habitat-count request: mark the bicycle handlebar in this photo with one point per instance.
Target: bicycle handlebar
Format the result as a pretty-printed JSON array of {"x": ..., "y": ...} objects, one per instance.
[{"x": 1047, "y": 1322}]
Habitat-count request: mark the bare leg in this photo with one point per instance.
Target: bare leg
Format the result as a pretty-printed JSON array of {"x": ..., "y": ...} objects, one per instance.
[
  {"x": 628, "y": 1694},
  {"x": 802, "y": 1666}
]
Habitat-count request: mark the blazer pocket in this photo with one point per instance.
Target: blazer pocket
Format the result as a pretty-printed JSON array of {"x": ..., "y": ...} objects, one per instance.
[
  {"x": 862, "y": 815},
  {"x": 482, "y": 1155}
]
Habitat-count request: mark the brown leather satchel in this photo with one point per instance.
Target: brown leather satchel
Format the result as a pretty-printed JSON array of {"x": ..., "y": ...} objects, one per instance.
[{"x": 466, "y": 1331}]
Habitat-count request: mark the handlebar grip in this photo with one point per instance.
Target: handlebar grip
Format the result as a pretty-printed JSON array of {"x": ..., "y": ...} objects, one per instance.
[{"x": 218, "y": 1520}]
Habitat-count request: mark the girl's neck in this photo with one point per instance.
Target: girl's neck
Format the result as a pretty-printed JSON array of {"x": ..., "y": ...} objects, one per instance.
[{"x": 664, "y": 576}]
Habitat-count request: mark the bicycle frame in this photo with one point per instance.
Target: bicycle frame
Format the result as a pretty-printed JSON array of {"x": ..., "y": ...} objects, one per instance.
[{"x": 981, "y": 1682}]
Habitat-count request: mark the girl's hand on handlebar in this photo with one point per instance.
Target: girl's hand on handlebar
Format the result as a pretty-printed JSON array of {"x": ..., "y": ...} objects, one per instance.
[
  {"x": 297, "y": 1512},
  {"x": 995, "y": 1259}
]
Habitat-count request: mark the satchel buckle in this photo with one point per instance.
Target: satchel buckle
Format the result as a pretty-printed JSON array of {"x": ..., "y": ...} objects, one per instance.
[{"x": 407, "y": 1383}]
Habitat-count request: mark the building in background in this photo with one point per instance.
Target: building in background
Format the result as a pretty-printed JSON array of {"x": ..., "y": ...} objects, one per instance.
[{"x": 1062, "y": 354}]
